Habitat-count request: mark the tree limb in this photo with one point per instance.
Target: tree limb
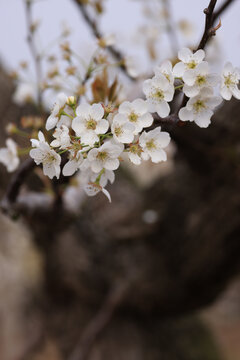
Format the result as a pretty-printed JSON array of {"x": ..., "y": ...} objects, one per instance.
[
  {"x": 16, "y": 182},
  {"x": 99, "y": 322}
]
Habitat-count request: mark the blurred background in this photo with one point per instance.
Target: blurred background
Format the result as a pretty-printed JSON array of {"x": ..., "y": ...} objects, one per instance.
[{"x": 154, "y": 275}]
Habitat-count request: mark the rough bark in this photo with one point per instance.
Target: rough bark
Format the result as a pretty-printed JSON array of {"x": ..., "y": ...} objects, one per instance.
[{"x": 169, "y": 268}]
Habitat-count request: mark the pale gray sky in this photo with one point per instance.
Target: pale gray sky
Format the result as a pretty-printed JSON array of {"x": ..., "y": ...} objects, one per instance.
[{"x": 121, "y": 17}]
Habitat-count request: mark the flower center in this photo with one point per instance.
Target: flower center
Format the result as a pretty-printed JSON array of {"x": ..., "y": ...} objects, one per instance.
[
  {"x": 199, "y": 105},
  {"x": 91, "y": 124},
  {"x": 158, "y": 94},
  {"x": 228, "y": 80},
  {"x": 102, "y": 155},
  {"x": 191, "y": 64},
  {"x": 135, "y": 149},
  {"x": 49, "y": 158},
  {"x": 118, "y": 131},
  {"x": 201, "y": 80},
  {"x": 150, "y": 145},
  {"x": 133, "y": 117}
]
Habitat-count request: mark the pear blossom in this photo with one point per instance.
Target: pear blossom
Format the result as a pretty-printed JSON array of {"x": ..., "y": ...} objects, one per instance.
[
  {"x": 122, "y": 129},
  {"x": 196, "y": 79},
  {"x": 132, "y": 66},
  {"x": 73, "y": 164},
  {"x": 136, "y": 113},
  {"x": 9, "y": 156},
  {"x": 102, "y": 178},
  {"x": 134, "y": 154},
  {"x": 107, "y": 175},
  {"x": 41, "y": 139},
  {"x": 24, "y": 93},
  {"x": 93, "y": 189},
  {"x": 62, "y": 138},
  {"x": 153, "y": 143},
  {"x": 159, "y": 92},
  {"x": 89, "y": 123},
  {"x": 200, "y": 108},
  {"x": 107, "y": 40},
  {"x": 229, "y": 82},
  {"x": 54, "y": 118},
  {"x": 106, "y": 156},
  {"x": 165, "y": 69},
  {"x": 43, "y": 154},
  {"x": 189, "y": 60}
]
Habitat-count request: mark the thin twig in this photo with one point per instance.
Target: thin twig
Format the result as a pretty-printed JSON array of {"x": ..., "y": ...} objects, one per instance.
[
  {"x": 33, "y": 49},
  {"x": 99, "y": 322},
  {"x": 173, "y": 40},
  {"x": 97, "y": 33},
  {"x": 222, "y": 8}
]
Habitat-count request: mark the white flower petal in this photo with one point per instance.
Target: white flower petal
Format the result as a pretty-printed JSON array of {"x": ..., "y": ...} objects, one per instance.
[
  {"x": 97, "y": 111},
  {"x": 102, "y": 126},
  {"x": 178, "y": 69},
  {"x": 184, "y": 54},
  {"x": 51, "y": 122},
  {"x": 163, "y": 109},
  {"x": 83, "y": 110}
]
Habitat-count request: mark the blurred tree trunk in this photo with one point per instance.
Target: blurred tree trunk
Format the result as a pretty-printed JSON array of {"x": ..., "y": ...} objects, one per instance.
[{"x": 154, "y": 272}]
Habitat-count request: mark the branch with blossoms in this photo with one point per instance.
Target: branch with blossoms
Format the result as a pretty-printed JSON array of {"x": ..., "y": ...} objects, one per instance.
[{"x": 97, "y": 136}]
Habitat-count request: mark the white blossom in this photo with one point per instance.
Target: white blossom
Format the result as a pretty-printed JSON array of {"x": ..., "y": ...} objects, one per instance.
[
  {"x": 122, "y": 129},
  {"x": 62, "y": 138},
  {"x": 9, "y": 156},
  {"x": 189, "y": 60},
  {"x": 165, "y": 69},
  {"x": 200, "y": 108},
  {"x": 229, "y": 82},
  {"x": 41, "y": 139},
  {"x": 93, "y": 189},
  {"x": 198, "y": 78},
  {"x": 102, "y": 178},
  {"x": 159, "y": 92},
  {"x": 132, "y": 66},
  {"x": 24, "y": 93},
  {"x": 89, "y": 123},
  {"x": 106, "y": 156},
  {"x": 54, "y": 118},
  {"x": 73, "y": 164},
  {"x": 153, "y": 143},
  {"x": 134, "y": 154},
  {"x": 43, "y": 154},
  {"x": 137, "y": 114},
  {"x": 107, "y": 40}
]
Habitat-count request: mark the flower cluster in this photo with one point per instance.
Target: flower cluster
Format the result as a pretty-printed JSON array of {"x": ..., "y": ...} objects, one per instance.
[{"x": 93, "y": 138}]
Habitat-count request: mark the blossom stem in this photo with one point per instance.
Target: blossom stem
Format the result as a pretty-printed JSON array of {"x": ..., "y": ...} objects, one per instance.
[
  {"x": 99, "y": 176},
  {"x": 64, "y": 113},
  {"x": 24, "y": 151},
  {"x": 62, "y": 152},
  {"x": 179, "y": 86}
]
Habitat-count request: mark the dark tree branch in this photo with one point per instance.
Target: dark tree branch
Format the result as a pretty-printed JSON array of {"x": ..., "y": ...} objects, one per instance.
[
  {"x": 16, "y": 182},
  {"x": 96, "y": 32},
  {"x": 208, "y": 24},
  {"x": 99, "y": 322}
]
